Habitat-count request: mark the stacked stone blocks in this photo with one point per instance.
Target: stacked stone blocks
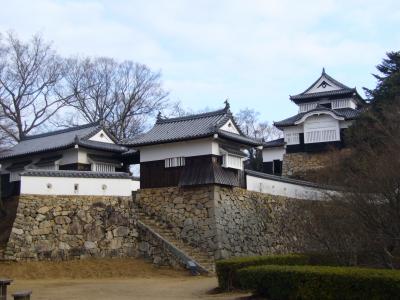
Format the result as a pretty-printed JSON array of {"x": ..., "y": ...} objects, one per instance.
[{"x": 64, "y": 227}]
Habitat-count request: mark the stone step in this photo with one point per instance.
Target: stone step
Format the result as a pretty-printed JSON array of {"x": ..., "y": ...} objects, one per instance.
[
  {"x": 200, "y": 257},
  {"x": 2, "y": 252}
]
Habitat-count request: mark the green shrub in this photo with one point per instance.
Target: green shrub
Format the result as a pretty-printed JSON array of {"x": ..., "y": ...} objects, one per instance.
[
  {"x": 317, "y": 282},
  {"x": 227, "y": 269}
]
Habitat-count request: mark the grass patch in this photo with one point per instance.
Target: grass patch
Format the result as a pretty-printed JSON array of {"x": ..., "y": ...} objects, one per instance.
[{"x": 86, "y": 268}]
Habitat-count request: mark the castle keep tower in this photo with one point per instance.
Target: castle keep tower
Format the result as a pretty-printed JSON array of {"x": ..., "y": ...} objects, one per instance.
[{"x": 326, "y": 109}]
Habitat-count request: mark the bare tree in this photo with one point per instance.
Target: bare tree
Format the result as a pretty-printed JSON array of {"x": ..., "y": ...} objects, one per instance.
[
  {"x": 123, "y": 95},
  {"x": 176, "y": 110},
  {"x": 248, "y": 120},
  {"x": 30, "y": 85}
]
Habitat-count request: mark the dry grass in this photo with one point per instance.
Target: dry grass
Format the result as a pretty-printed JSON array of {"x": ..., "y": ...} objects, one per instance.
[{"x": 88, "y": 268}]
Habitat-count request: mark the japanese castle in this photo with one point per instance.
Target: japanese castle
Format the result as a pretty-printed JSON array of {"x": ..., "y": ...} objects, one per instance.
[{"x": 325, "y": 110}]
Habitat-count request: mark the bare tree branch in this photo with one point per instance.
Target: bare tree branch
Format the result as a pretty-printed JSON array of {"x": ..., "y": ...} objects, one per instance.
[
  {"x": 31, "y": 90},
  {"x": 124, "y": 95}
]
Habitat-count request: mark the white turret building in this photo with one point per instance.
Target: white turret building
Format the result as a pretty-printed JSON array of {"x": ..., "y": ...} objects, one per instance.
[{"x": 326, "y": 109}]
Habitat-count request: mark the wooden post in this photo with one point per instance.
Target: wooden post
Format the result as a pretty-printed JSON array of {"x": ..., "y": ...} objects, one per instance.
[
  {"x": 3, "y": 288},
  {"x": 26, "y": 295}
]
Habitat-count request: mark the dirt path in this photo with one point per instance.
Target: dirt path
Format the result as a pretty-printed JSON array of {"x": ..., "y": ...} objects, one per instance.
[
  {"x": 123, "y": 289},
  {"x": 105, "y": 279}
]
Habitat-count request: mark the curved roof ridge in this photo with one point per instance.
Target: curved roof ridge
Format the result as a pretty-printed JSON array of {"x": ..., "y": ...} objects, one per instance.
[
  {"x": 79, "y": 127},
  {"x": 194, "y": 116},
  {"x": 343, "y": 86},
  {"x": 330, "y": 78}
]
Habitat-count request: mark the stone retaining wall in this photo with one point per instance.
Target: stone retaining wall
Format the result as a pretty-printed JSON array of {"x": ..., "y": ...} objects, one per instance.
[
  {"x": 225, "y": 221},
  {"x": 221, "y": 221},
  {"x": 298, "y": 164},
  {"x": 189, "y": 212},
  {"x": 252, "y": 223},
  {"x": 308, "y": 166},
  {"x": 64, "y": 227}
]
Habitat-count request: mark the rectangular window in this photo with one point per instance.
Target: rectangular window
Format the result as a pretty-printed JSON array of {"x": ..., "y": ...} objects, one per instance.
[
  {"x": 232, "y": 161},
  {"x": 292, "y": 138},
  {"x": 104, "y": 167},
  {"x": 76, "y": 188},
  {"x": 341, "y": 103},
  {"x": 174, "y": 162},
  {"x": 320, "y": 136},
  {"x": 307, "y": 107}
]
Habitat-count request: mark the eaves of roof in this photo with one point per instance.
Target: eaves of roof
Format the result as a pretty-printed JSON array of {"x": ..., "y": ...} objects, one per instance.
[
  {"x": 239, "y": 138},
  {"x": 132, "y": 143},
  {"x": 346, "y": 113},
  {"x": 50, "y": 149},
  {"x": 340, "y": 92},
  {"x": 101, "y": 146},
  {"x": 80, "y": 174},
  {"x": 274, "y": 144}
]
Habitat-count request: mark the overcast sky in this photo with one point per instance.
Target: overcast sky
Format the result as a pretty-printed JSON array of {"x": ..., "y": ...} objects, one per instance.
[{"x": 256, "y": 53}]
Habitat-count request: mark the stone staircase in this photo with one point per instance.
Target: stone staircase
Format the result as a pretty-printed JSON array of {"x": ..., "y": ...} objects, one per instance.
[
  {"x": 2, "y": 251},
  {"x": 185, "y": 251}
]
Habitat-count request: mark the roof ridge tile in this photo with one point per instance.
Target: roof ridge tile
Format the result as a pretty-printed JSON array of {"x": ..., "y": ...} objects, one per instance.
[
  {"x": 194, "y": 116},
  {"x": 61, "y": 131}
]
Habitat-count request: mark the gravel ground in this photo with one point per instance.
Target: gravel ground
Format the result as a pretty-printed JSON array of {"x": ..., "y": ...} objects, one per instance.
[
  {"x": 123, "y": 289},
  {"x": 105, "y": 279}
]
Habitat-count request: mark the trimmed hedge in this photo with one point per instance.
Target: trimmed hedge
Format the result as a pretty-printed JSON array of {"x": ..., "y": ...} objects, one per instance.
[
  {"x": 227, "y": 269},
  {"x": 317, "y": 282}
]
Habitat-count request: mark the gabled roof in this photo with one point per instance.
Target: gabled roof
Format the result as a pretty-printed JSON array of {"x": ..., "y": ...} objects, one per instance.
[
  {"x": 325, "y": 86},
  {"x": 59, "y": 140},
  {"x": 345, "y": 113},
  {"x": 191, "y": 127}
]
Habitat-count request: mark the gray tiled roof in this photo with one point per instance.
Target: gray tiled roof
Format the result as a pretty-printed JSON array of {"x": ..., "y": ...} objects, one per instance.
[
  {"x": 343, "y": 91},
  {"x": 274, "y": 143},
  {"x": 60, "y": 139},
  {"x": 83, "y": 174},
  {"x": 208, "y": 174},
  {"x": 346, "y": 113},
  {"x": 101, "y": 146},
  {"x": 20, "y": 165},
  {"x": 190, "y": 127}
]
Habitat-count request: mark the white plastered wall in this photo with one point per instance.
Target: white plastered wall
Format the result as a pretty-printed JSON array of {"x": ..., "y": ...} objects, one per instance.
[
  {"x": 230, "y": 127},
  {"x": 321, "y": 124},
  {"x": 279, "y": 188},
  {"x": 101, "y": 136},
  {"x": 270, "y": 154},
  {"x": 317, "y": 88},
  {"x": 291, "y": 134},
  {"x": 179, "y": 149},
  {"x": 86, "y": 186}
]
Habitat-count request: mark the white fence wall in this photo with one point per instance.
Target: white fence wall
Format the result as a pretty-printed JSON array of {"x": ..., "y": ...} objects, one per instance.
[
  {"x": 86, "y": 186},
  {"x": 278, "y": 186}
]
